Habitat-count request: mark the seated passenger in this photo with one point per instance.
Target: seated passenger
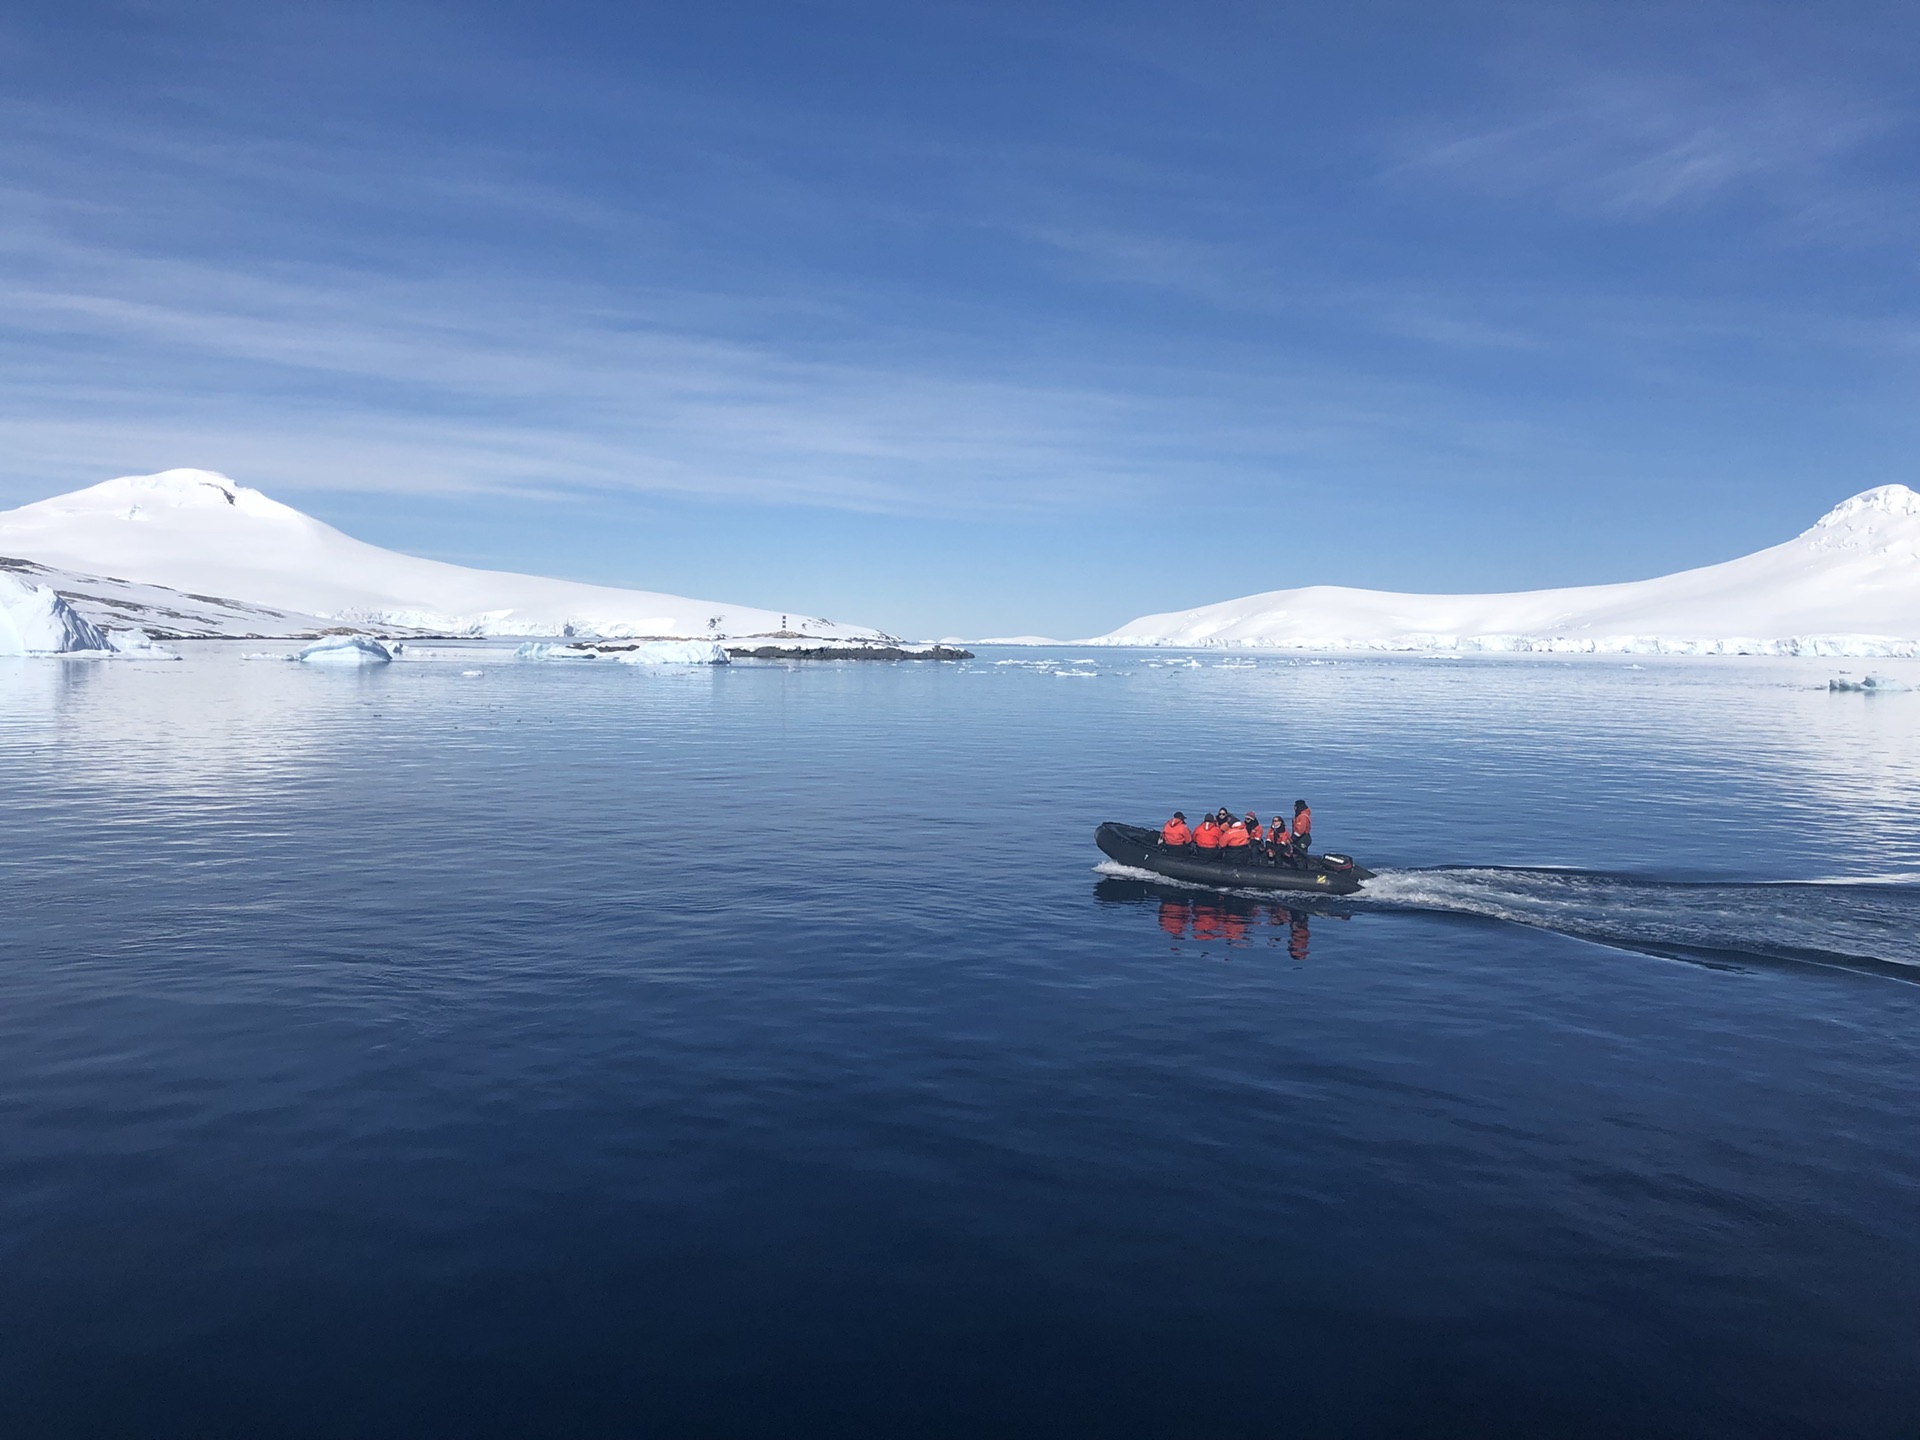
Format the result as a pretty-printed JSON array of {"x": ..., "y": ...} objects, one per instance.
[
  {"x": 1207, "y": 837},
  {"x": 1237, "y": 839},
  {"x": 1280, "y": 841},
  {"x": 1255, "y": 844},
  {"x": 1174, "y": 834}
]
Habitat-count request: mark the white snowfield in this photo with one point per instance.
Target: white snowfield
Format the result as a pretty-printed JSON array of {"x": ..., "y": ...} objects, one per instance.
[
  {"x": 166, "y": 613},
  {"x": 1848, "y": 586},
  {"x": 224, "y": 545}
]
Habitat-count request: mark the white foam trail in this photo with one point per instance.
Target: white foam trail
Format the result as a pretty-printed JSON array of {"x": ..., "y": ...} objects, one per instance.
[
  {"x": 1844, "y": 922},
  {"x": 1856, "y": 923},
  {"x": 1113, "y": 869},
  {"x": 1898, "y": 877}
]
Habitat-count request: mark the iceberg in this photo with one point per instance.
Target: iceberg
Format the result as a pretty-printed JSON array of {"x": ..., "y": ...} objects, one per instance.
[
  {"x": 546, "y": 650},
  {"x": 640, "y": 652},
  {"x": 1849, "y": 586},
  {"x": 346, "y": 650},
  {"x": 675, "y": 652},
  {"x": 36, "y": 621}
]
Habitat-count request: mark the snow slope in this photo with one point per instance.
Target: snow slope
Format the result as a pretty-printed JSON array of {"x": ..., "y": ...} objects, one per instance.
[
  {"x": 167, "y": 614},
  {"x": 1848, "y": 586},
  {"x": 199, "y": 533}
]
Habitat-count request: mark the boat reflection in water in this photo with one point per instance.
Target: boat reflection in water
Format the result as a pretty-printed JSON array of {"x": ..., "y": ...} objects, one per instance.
[{"x": 1205, "y": 918}]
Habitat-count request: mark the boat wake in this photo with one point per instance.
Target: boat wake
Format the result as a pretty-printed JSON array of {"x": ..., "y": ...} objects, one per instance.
[
  {"x": 1114, "y": 870},
  {"x": 1869, "y": 925}
]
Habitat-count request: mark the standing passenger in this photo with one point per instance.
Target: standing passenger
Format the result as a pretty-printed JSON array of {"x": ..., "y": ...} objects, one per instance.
[{"x": 1302, "y": 829}]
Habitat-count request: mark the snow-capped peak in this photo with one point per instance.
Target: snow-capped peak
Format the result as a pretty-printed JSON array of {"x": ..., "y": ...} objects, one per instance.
[
  {"x": 1884, "y": 518},
  {"x": 132, "y": 497}
]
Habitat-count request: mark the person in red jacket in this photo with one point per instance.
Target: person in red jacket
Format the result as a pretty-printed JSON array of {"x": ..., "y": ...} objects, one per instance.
[
  {"x": 1256, "y": 845},
  {"x": 1236, "y": 840},
  {"x": 1208, "y": 837},
  {"x": 1174, "y": 834},
  {"x": 1280, "y": 841},
  {"x": 1302, "y": 828}
]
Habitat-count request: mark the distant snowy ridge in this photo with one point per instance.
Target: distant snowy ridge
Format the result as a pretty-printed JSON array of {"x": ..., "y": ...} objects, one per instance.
[
  {"x": 201, "y": 535},
  {"x": 1849, "y": 586}
]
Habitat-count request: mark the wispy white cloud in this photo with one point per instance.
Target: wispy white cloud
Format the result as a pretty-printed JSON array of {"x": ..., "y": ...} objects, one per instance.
[
  {"x": 336, "y": 379},
  {"x": 495, "y": 374},
  {"x": 1633, "y": 146},
  {"x": 355, "y": 308},
  {"x": 460, "y": 392}
]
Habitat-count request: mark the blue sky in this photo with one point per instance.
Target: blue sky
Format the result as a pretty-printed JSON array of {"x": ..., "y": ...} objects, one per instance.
[{"x": 975, "y": 318}]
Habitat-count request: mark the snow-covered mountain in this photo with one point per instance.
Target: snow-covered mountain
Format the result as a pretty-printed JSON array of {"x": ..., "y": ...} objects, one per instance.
[
  {"x": 244, "y": 564},
  {"x": 1848, "y": 586}
]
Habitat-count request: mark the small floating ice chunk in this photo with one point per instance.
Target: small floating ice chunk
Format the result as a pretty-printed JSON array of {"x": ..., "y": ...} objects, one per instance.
[
  {"x": 346, "y": 650},
  {"x": 1871, "y": 685},
  {"x": 547, "y": 650},
  {"x": 136, "y": 645}
]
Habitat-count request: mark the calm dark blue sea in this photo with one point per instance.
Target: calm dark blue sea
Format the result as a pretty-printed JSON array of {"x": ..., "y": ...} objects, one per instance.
[{"x": 581, "y": 1049}]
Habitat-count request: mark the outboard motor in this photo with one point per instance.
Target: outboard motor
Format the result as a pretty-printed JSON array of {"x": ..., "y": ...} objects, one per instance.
[{"x": 1337, "y": 864}]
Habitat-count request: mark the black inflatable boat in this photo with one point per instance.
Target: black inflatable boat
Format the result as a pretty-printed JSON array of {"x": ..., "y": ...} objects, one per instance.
[{"x": 1321, "y": 874}]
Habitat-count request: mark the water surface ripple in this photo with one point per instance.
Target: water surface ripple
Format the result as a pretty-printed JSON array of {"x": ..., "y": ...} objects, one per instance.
[{"x": 570, "y": 1050}]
